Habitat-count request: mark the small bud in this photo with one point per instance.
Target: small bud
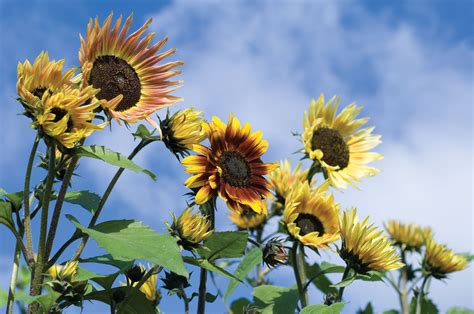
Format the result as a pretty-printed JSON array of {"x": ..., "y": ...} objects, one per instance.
[
  {"x": 274, "y": 253},
  {"x": 174, "y": 281},
  {"x": 135, "y": 273},
  {"x": 330, "y": 298}
]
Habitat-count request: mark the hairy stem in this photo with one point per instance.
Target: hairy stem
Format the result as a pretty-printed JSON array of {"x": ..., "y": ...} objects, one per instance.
[
  {"x": 13, "y": 279},
  {"x": 421, "y": 295},
  {"x": 298, "y": 268},
  {"x": 341, "y": 289},
  {"x": 403, "y": 295},
  {"x": 106, "y": 195},
  {"x": 37, "y": 278},
  {"x": 26, "y": 201}
]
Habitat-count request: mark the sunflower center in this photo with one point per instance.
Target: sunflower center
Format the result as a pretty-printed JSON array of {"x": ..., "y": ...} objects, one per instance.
[
  {"x": 248, "y": 214},
  {"x": 39, "y": 92},
  {"x": 59, "y": 113},
  {"x": 114, "y": 76},
  {"x": 332, "y": 144},
  {"x": 235, "y": 169},
  {"x": 309, "y": 223}
]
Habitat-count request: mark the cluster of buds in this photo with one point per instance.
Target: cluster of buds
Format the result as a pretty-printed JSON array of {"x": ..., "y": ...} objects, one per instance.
[{"x": 63, "y": 281}]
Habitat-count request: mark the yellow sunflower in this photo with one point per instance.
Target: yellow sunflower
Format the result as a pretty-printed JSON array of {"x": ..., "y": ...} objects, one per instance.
[
  {"x": 364, "y": 247},
  {"x": 125, "y": 70},
  {"x": 183, "y": 130},
  {"x": 439, "y": 260},
  {"x": 338, "y": 143},
  {"x": 64, "y": 117},
  {"x": 409, "y": 236},
  {"x": 311, "y": 215},
  {"x": 282, "y": 179},
  {"x": 66, "y": 273},
  {"x": 40, "y": 78},
  {"x": 191, "y": 228},
  {"x": 231, "y": 167},
  {"x": 246, "y": 218},
  {"x": 149, "y": 286}
]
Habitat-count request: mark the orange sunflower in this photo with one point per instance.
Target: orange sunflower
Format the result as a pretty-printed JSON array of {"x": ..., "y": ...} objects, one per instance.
[
  {"x": 126, "y": 71},
  {"x": 231, "y": 167}
]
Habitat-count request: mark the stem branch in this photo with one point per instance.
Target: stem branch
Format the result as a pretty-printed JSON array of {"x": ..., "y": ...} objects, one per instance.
[{"x": 298, "y": 267}]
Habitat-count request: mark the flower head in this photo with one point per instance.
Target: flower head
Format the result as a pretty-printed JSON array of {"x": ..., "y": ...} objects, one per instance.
[
  {"x": 191, "y": 228},
  {"x": 149, "y": 286},
  {"x": 65, "y": 273},
  {"x": 365, "y": 248},
  {"x": 246, "y": 218},
  {"x": 409, "y": 236},
  {"x": 183, "y": 130},
  {"x": 311, "y": 215},
  {"x": 338, "y": 143},
  {"x": 231, "y": 167},
  {"x": 124, "y": 68},
  {"x": 440, "y": 261}
]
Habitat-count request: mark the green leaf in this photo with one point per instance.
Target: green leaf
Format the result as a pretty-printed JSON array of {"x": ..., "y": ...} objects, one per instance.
[
  {"x": 107, "y": 259},
  {"x": 427, "y": 306},
  {"x": 276, "y": 300},
  {"x": 227, "y": 244},
  {"x": 392, "y": 311},
  {"x": 6, "y": 214},
  {"x": 335, "y": 308},
  {"x": 138, "y": 303},
  {"x": 344, "y": 283},
  {"x": 3, "y": 297},
  {"x": 321, "y": 282},
  {"x": 16, "y": 199},
  {"x": 372, "y": 275},
  {"x": 239, "y": 306},
  {"x": 105, "y": 281},
  {"x": 47, "y": 300},
  {"x": 134, "y": 240},
  {"x": 145, "y": 134},
  {"x": 209, "y": 265},
  {"x": 111, "y": 157},
  {"x": 459, "y": 310},
  {"x": 210, "y": 298},
  {"x": 368, "y": 309},
  {"x": 253, "y": 258},
  {"x": 85, "y": 199}
]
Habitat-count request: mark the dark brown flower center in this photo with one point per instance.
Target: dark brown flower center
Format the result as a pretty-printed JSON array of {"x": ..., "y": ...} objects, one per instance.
[
  {"x": 114, "y": 76},
  {"x": 332, "y": 144},
  {"x": 235, "y": 169},
  {"x": 39, "y": 92},
  {"x": 309, "y": 223},
  {"x": 248, "y": 214},
  {"x": 59, "y": 113}
]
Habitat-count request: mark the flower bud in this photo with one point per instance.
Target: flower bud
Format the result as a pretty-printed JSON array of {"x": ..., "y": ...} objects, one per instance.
[{"x": 274, "y": 253}]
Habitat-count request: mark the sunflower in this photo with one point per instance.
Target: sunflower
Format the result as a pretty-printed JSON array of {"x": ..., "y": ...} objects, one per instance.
[
  {"x": 64, "y": 117},
  {"x": 439, "y": 260},
  {"x": 124, "y": 69},
  {"x": 182, "y": 130},
  {"x": 246, "y": 218},
  {"x": 40, "y": 78},
  {"x": 64, "y": 273},
  {"x": 408, "y": 236},
  {"x": 149, "y": 286},
  {"x": 231, "y": 167},
  {"x": 191, "y": 228},
  {"x": 338, "y": 143},
  {"x": 364, "y": 247},
  {"x": 311, "y": 215},
  {"x": 282, "y": 179}
]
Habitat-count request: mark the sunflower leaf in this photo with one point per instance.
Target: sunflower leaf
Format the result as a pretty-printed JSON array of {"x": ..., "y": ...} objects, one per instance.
[
  {"x": 427, "y": 306},
  {"x": 334, "y": 308},
  {"x": 145, "y": 134},
  {"x": 209, "y": 265},
  {"x": 251, "y": 259},
  {"x": 111, "y": 157},
  {"x": 6, "y": 214},
  {"x": 137, "y": 304},
  {"x": 108, "y": 259},
  {"x": 276, "y": 300},
  {"x": 227, "y": 244},
  {"x": 85, "y": 199},
  {"x": 317, "y": 275},
  {"x": 239, "y": 306},
  {"x": 130, "y": 239}
]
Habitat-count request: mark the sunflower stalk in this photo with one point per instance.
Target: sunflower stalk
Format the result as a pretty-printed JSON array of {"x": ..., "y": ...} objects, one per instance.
[
  {"x": 103, "y": 200},
  {"x": 37, "y": 274},
  {"x": 341, "y": 289},
  {"x": 298, "y": 267},
  {"x": 402, "y": 283},
  {"x": 421, "y": 294},
  {"x": 13, "y": 280}
]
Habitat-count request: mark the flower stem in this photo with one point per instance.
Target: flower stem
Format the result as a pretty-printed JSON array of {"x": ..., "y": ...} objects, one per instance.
[
  {"x": 341, "y": 289},
  {"x": 298, "y": 267},
  {"x": 402, "y": 283},
  {"x": 106, "y": 195},
  {"x": 26, "y": 201},
  {"x": 13, "y": 279},
  {"x": 37, "y": 278},
  {"x": 421, "y": 294},
  {"x": 203, "y": 275}
]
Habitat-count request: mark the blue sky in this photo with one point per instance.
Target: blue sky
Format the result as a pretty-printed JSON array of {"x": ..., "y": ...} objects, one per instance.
[{"x": 408, "y": 63}]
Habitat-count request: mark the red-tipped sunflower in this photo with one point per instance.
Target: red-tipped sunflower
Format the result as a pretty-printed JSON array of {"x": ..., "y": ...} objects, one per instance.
[
  {"x": 231, "y": 167},
  {"x": 124, "y": 68}
]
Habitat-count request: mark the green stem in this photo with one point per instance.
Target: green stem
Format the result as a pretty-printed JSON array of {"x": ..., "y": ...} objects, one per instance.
[
  {"x": 421, "y": 295},
  {"x": 13, "y": 279},
  {"x": 185, "y": 300},
  {"x": 203, "y": 275},
  {"x": 341, "y": 289},
  {"x": 298, "y": 268},
  {"x": 37, "y": 278},
  {"x": 26, "y": 201},
  {"x": 106, "y": 195},
  {"x": 403, "y": 295},
  {"x": 59, "y": 204}
]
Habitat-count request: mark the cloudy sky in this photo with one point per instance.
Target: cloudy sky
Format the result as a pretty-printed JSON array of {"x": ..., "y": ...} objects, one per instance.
[{"x": 408, "y": 64}]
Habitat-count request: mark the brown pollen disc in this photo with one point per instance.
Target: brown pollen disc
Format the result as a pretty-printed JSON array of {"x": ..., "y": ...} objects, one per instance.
[
  {"x": 309, "y": 223},
  {"x": 235, "y": 169},
  {"x": 59, "y": 114},
  {"x": 332, "y": 144},
  {"x": 114, "y": 76}
]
